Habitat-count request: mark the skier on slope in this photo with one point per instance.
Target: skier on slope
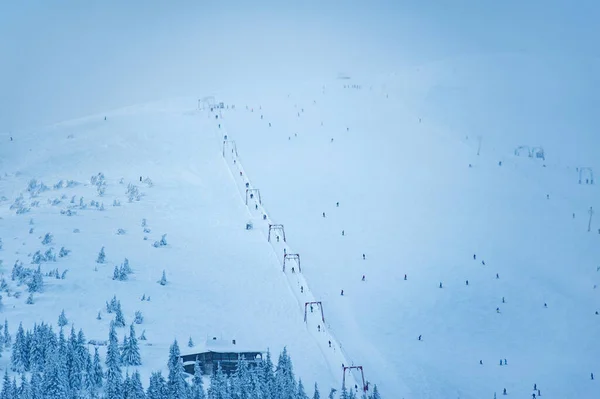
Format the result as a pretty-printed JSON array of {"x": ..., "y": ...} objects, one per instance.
[
  {"x": 363, "y": 277},
  {"x": 364, "y": 257},
  {"x": 405, "y": 277},
  {"x": 323, "y": 214},
  {"x": 342, "y": 293}
]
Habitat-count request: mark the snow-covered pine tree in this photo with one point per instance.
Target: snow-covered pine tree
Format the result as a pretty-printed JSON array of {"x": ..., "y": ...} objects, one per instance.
[
  {"x": 101, "y": 256},
  {"x": 47, "y": 239},
  {"x": 176, "y": 380},
  {"x": 197, "y": 383},
  {"x": 62, "y": 319},
  {"x": 119, "y": 318},
  {"x": 36, "y": 283},
  {"x": 37, "y": 388},
  {"x": 344, "y": 393},
  {"x": 158, "y": 387},
  {"x": 284, "y": 376},
  {"x": 190, "y": 343},
  {"x": 54, "y": 382},
  {"x": 375, "y": 394},
  {"x": 7, "y": 337},
  {"x": 114, "y": 380},
  {"x": 240, "y": 381},
  {"x": 75, "y": 365},
  {"x": 143, "y": 335},
  {"x": 218, "y": 385},
  {"x": 126, "y": 267},
  {"x": 268, "y": 377},
  {"x": 138, "y": 319},
  {"x": 316, "y": 395},
  {"x": 131, "y": 350},
  {"x": 116, "y": 273},
  {"x": 7, "y": 387},
  {"x": 24, "y": 391},
  {"x": 301, "y": 393},
  {"x": 97, "y": 373},
  {"x": 136, "y": 390},
  {"x": 163, "y": 279},
  {"x": 99, "y": 316},
  {"x": 257, "y": 388},
  {"x": 332, "y": 393},
  {"x": 18, "y": 358},
  {"x": 163, "y": 240}
]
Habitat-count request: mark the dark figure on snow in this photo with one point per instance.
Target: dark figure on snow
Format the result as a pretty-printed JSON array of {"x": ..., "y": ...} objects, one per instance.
[
  {"x": 264, "y": 217},
  {"x": 323, "y": 214},
  {"x": 105, "y": 118},
  {"x": 504, "y": 392},
  {"x": 311, "y": 308},
  {"x": 498, "y": 311},
  {"x": 539, "y": 393},
  {"x": 419, "y": 337},
  {"x": 319, "y": 328},
  {"x": 363, "y": 256},
  {"x": 440, "y": 285},
  {"x": 240, "y": 172},
  {"x": 502, "y": 299},
  {"x": 11, "y": 138},
  {"x": 342, "y": 293},
  {"x": 405, "y": 277},
  {"x": 363, "y": 278},
  {"x": 256, "y": 206},
  {"x": 337, "y": 204},
  {"x": 342, "y": 232},
  {"x": 481, "y": 362},
  {"x": 500, "y": 163},
  {"x": 505, "y": 362},
  {"x": 483, "y": 262},
  {"x": 474, "y": 256},
  {"x": 497, "y": 276},
  {"x": 533, "y": 395},
  {"x": 277, "y": 238},
  {"x": 140, "y": 178},
  {"x": 332, "y": 139},
  {"x": 592, "y": 375},
  {"x": 500, "y": 362},
  {"x": 535, "y": 387},
  {"x": 301, "y": 289},
  {"x": 547, "y": 196},
  {"x": 269, "y": 124},
  {"x": 545, "y": 305},
  {"x": 330, "y": 344},
  {"x": 467, "y": 282},
  {"x": 293, "y": 271}
]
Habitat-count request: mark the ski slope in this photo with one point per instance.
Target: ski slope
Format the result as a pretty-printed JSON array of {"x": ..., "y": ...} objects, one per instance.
[{"x": 223, "y": 281}]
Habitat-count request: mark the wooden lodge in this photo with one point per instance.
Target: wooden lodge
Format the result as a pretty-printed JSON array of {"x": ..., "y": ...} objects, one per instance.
[{"x": 216, "y": 351}]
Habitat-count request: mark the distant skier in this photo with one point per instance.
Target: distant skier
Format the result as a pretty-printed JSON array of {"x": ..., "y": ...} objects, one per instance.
[
  {"x": 277, "y": 238},
  {"x": 293, "y": 271},
  {"x": 363, "y": 278},
  {"x": 301, "y": 289},
  {"x": 497, "y": 275},
  {"x": 545, "y": 305},
  {"x": 500, "y": 163},
  {"x": 140, "y": 178},
  {"x": 318, "y": 327},
  {"x": 311, "y": 308},
  {"x": 547, "y": 196},
  {"x": 256, "y": 206},
  {"x": 539, "y": 393},
  {"x": 440, "y": 285},
  {"x": 504, "y": 392},
  {"x": 483, "y": 262},
  {"x": 330, "y": 344},
  {"x": 500, "y": 362},
  {"x": 474, "y": 256},
  {"x": 332, "y": 139},
  {"x": 502, "y": 299},
  {"x": 592, "y": 375},
  {"x": 323, "y": 214},
  {"x": 240, "y": 173},
  {"x": 419, "y": 337},
  {"x": 264, "y": 217},
  {"x": 481, "y": 362},
  {"x": 342, "y": 293},
  {"x": 535, "y": 387},
  {"x": 405, "y": 277},
  {"x": 337, "y": 204},
  {"x": 105, "y": 118},
  {"x": 342, "y": 232},
  {"x": 505, "y": 362},
  {"x": 467, "y": 282},
  {"x": 533, "y": 395},
  {"x": 364, "y": 257},
  {"x": 497, "y": 310},
  {"x": 269, "y": 124}
]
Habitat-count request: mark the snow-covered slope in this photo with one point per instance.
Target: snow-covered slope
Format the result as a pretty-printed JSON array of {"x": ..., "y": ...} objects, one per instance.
[{"x": 223, "y": 281}]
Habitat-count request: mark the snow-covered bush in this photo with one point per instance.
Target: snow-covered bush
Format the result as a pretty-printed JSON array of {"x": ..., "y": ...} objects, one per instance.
[
  {"x": 139, "y": 319},
  {"x": 101, "y": 188},
  {"x": 162, "y": 242},
  {"x": 144, "y": 223},
  {"x": 148, "y": 181},
  {"x": 68, "y": 212},
  {"x": 133, "y": 193},
  {"x": 29, "y": 299},
  {"x": 119, "y": 318},
  {"x": 59, "y": 185},
  {"x": 54, "y": 202},
  {"x": 190, "y": 343},
  {"x": 116, "y": 203},
  {"x": 36, "y": 283},
  {"x": 47, "y": 239},
  {"x": 101, "y": 206},
  {"x": 63, "y": 252},
  {"x": 82, "y": 204},
  {"x": 112, "y": 306},
  {"x": 120, "y": 232},
  {"x": 72, "y": 200},
  {"x": 143, "y": 336},
  {"x": 31, "y": 230},
  {"x": 63, "y": 275},
  {"x": 99, "y": 316},
  {"x": 35, "y": 204},
  {"x": 101, "y": 256},
  {"x": 75, "y": 230},
  {"x": 34, "y": 188},
  {"x": 147, "y": 230}
]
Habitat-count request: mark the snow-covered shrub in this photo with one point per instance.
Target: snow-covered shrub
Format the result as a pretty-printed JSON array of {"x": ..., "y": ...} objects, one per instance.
[
  {"x": 72, "y": 183},
  {"x": 3, "y": 284},
  {"x": 120, "y": 232},
  {"x": 62, "y": 319},
  {"x": 55, "y": 202},
  {"x": 102, "y": 206},
  {"x": 121, "y": 181},
  {"x": 35, "y": 204},
  {"x": 143, "y": 336},
  {"x": 133, "y": 193},
  {"x": 29, "y": 299},
  {"x": 75, "y": 230},
  {"x": 119, "y": 318},
  {"x": 143, "y": 298},
  {"x": 36, "y": 283},
  {"x": 112, "y": 306},
  {"x": 148, "y": 181},
  {"x": 31, "y": 222},
  {"x": 139, "y": 319},
  {"x": 101, "y": 188},
  {"x": 144, "y": 223},
  {"x": 126, "y": 267},
  {"x": 63, "y": 275},
  {"x": 72, "y": 200},
  {"x": 31, "y": 230},
  {"x": 59, "y": 185},
  {"x": 82, "y": 204},
  {"x": 145, "y": 238},
  {"x": 147, "y": 230},
  {"x": 35, "y": 188},
  {"x": 63, "y": 252},
  {"x": 47, "y": 239},
  {"x": 68, "y": 212},
  {"x": 93, "y": 203},
  {"x": 116, "y": 203},
  {"x": 101, "y": 256},
  {"x": 163, "y": 279},
  {"x": 190, "y": 343},
  {"x": 49, "y": 256},
  {"x": 161, "y": 243},
  {"x": 99, "y": 316}
]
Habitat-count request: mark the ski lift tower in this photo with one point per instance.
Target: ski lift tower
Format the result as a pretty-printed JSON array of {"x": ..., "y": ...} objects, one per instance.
[
  {"x": 206, "y": 103},
  {"x": 588, "y": 172},
  {"x": 349, "y": 368},
  {"x": 522, "y": 148}
]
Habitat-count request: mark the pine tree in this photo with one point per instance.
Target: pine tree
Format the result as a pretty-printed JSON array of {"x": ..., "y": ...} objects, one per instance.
[
  {"x": 116, "y": 273},
  {"x": 54, "y": 383},
  {"x": 7, "y": 338},
  {"x": 176, "y": 379},
  {"x": 268, "y": 377},
  {"x": 301, "y": 394},
  {"x": 197, "y": 383},
  {"x": 24, "y": 391},
  {"x": 131, "y": 350},
  {"x": 375, "y": 393},
  {"x": 163, "y": 279},
  {"x": 113, "y": 367},
  {"x": 332, "y": 393},
  {"x": 190, "y": 343},
  {"x": 14, "y": 388},
  {"x": 218, "y": 385},
  {"x": 136, "y": 390},
  {"x": 284, "y": 376},
  {"x": 126, "y": 268},
  {"x": 37, "y": 389},
  {"x": 158, "y": 387},
  {"x": 7, "y": 387},
  {"x": 241, "y": 380},
  {"x": 62, "y": 319},
  {"x": 119, "y": 319},
  {"x": 97, "y": 375},
  {"x": 344, "y": 393},
  {"x": 18, "y": 356},
  {"x": 37, "y": 281},
  {"x": 101, "y": 256},
  {"x": 316, "y": 395},
  {"x": 75, "y": 365}
]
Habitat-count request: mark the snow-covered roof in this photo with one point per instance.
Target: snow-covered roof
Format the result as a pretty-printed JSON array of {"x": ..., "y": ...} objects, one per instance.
[{"x": 220, "y": 346}]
